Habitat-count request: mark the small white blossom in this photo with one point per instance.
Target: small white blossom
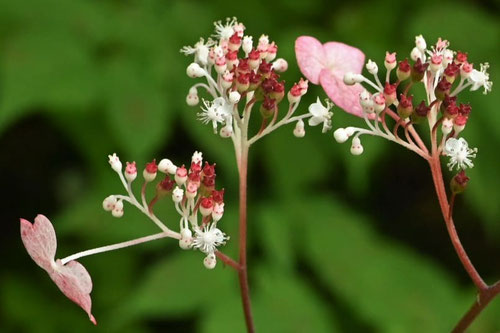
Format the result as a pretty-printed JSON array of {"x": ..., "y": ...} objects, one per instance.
[
  {"x": 460, "y": 154},
  {"x": 211, "y": 113},
  {"x": 321, "y": 114},
  {"x": 200, "y": 51},
  {"x": 209, "y": 238},
  {"x": 177, "y": 194},
  {"x": 225, "y": 31},
  {"x": 480, "y": 79}
]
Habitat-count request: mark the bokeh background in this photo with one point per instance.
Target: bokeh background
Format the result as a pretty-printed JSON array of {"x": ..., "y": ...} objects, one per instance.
[{"x": 337, "y": 243}]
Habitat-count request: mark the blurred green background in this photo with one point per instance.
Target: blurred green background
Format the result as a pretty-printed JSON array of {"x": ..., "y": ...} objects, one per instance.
[{"x": 337, "y": 243}]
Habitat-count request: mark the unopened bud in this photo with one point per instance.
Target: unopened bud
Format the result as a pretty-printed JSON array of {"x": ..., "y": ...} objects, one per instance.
[
  {"x": 356, "y": 148},
  {"x": 340, "y": 135},
  {"x": 194, "y": 70},
  {"x": 459, "y": 183},
  {"x": 299, "y": 130},
  {"x": 210, "y": 261}
]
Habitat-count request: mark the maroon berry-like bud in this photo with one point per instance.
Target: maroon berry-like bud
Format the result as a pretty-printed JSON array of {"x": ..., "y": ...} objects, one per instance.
[
  {"x": 449, "y": 100},
  {"x": 418, "y": 70},
  {"x": 209, "y": 170},
  {"x": 265, "y": 68},
  {"x": 422, "y": 110},
  {"x": 405, "y": 107},
  {"x": 404, "y": 70},
  {"x": 451, "y": 71},
  {"x": 165, "y": 186},
  {"x": 459, "y": 183},
  {"x": 451, "y": 111},
  {"x": 268, "y": 107},
  {"x": 195, "y": 168},
  {"x": 206, "y": 206},
  {"x": 243, "y": 66},
  {"x": 464, "y": 109},
  {"x": 461, "y": 57},
  {"x": 278, "y": 91},
  {"x": 460, "y": 120},
  {"x": 152, "y": 167},
  {"x": 218, "y": 196},
  {"x": 442, "y": 89},
  {"x": 232, "y": 55},
  {"x": 390, "y": 93},
  {"x": 268, "y": 85},
  {"x": 209, "y": 182},
  {"x": 242, "y": 82}
]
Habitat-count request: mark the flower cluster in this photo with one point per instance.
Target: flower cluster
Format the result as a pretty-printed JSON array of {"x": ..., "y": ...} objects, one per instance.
[
  {"x": 237, "y": 72},
  {"x": 193, "y": 193},
  {"x": 444, "y": 74}
]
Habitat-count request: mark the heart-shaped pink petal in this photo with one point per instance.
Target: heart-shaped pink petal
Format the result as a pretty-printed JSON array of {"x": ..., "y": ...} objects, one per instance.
[
  {"x": 326, "y": 65},
  {"x": 310, "y": 57},
  {"x": 39, "y": 239},
  {"x": 72, "y": 279}
]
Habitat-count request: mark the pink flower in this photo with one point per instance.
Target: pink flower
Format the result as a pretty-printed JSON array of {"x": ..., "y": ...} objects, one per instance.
[
  {"x": 72, "y": 279},
  {"x": 326, "y": 64}
]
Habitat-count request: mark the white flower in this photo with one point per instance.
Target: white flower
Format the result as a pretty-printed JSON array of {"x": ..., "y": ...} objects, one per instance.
[
  {"x": 200, "y": 51},
  {"x": 481, "y": 79},
  {"x": 225, "y": 31},
  {"x": 460, "y": 154},
  {"x": 321, "y": 114},
  {"x": 177, "y": 194},
  {"x": 211, "y": 113},
  {"x": 209, "y": 238}
]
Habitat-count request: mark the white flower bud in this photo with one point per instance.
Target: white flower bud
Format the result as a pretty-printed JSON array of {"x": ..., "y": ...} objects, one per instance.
[
  {"x": 115, "y": 163},
  {"x": 447, "y": 57},
  {"x": 372, "y": 67},
  {"x": 280, "y": 65},
  {"x": 415, "y": 54},
  {"x": 350, "y": 78},
  {"x": 177, "y": 194},
  {"x": 166, "y": 166},
  {"x": 226, "y": 131},
  {"x": 365, "y": 98},
  {"x": 109, "y": 203},
  {"x": 420, "y": 43},
  {"x": 186, "y": 240},
  {"x": 234, "y": 97},
  {"x": 340, "y": 135},
  {"x": 194, "y": 70},
  {"x": 192, "y": 99},
  {"x": 118, "y": 209},
  {"x": 356, "y": 148},
  {"x": 197, "y": 157},
  {"x": 217, "y": 211},
  {"x": 210, "y": 261},
  {"x": 247, "y": 44},
  {"x": 350, "y": 130},
  {"x": 299, "y": 130},
  {"x": 447, "y": 126}
]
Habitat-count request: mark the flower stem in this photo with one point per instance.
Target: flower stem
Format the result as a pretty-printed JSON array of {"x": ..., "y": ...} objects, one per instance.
[
  {"x": 485, "y": 292},
  {"x": 118, "y": 246},
  {"x": 243, "y": 272}
]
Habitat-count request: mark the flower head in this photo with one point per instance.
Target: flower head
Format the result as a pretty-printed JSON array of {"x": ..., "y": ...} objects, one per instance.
[{"x": 460, "y": 154}]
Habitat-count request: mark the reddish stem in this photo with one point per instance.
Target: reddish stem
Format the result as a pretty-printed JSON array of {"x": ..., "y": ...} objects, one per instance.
[
  {"x": 243, "y": 273},
  {"x": 485, "y": 292},
  {"x": 228, "y": 260}
]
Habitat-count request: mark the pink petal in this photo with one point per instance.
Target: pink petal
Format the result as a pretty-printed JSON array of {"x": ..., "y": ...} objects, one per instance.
[
  {"x": 343, "y": 58},
  {"x": 344, "y": 96},
  {"x": 75, "y": 282},
  {"x": 39, "y": 239},
  {"x": 72, "y": 279},
  {"x": 311, "y": 57}
]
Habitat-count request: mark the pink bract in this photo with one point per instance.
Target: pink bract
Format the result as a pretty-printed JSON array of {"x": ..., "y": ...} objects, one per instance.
[
  {"x": 326, "y": 64},
  {"x": 72, "y": 279}
]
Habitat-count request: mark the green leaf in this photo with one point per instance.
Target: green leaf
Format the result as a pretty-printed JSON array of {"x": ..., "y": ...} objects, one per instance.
[{"x": 388, "y": 284}]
